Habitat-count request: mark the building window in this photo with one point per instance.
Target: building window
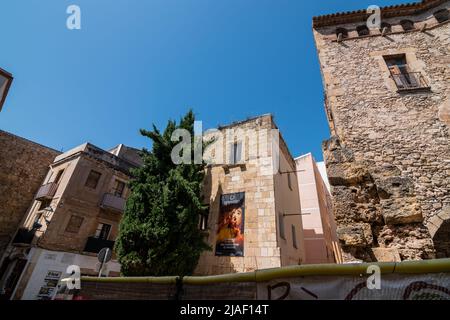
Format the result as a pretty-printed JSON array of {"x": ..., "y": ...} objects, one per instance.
[
  {"x": 441, "y": 15},
  {"x": 404, "y": 78},
  {"x": 74, "y": 224},
  {"x": 119, "y": 187},
  {"x": 362, "y": 30},
  {"x": 44, "y": 204},
  {"x": 289, "y": 180},
  {"x": 58, "y": 176},
  {"x": 407, "y": 25},
  {"x": 203, "y": 221},
  {"x": 341, "y": 33},
  {"x": 102, "y": 231},
  {"x": 294, "y": 237},
  {"x": 281, "y": 225},
  {"x": 236, "y": 153},
  {"x": 93, "y": 179},
  {"x": 385, "y": 28}
]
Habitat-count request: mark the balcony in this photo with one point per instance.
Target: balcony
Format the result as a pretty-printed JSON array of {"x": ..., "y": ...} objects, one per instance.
[
  {"x": 47, "y": 191},
  {"x": 410, "y": 81},
  {"x": 113, "y": 202},
  {"x": 24, "y": 236},
  {"x": 94, "y": 245}
]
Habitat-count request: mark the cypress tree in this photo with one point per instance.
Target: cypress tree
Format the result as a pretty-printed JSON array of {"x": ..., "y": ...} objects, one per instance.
[{"x": 159, "y": 233}]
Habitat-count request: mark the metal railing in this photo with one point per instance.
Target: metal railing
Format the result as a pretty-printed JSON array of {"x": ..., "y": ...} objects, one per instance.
[
  {"x": 410, "y": 81},
  {"x": 113, "y": 202},
  {"x": 46, "y": 191},
  {"x": 24, "y": 236},
  {"x": 94, "y": 244}
]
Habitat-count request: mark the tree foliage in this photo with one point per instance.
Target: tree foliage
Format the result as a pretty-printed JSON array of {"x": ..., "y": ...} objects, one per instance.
[{"x": 159, "y": 233}]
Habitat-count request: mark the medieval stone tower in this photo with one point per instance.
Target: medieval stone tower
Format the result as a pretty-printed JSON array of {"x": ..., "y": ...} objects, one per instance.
[{"x": 387, "y": 94}]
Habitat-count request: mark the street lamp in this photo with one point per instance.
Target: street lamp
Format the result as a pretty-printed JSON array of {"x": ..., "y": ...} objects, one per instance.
[{"x": 5, "y": 82}]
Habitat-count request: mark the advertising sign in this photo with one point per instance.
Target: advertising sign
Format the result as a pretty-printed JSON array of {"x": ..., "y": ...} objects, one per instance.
[{"x": 230, "y": 233}]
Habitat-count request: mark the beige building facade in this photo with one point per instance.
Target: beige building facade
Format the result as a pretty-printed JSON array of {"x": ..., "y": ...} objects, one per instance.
[
  {"x": 75, "y": 213},
  {"x": 250, "y": 159},
  {"x": 387, "y": 103},
  {"x": 319, "y": 226},
  {"x": 23, "y": 166}
]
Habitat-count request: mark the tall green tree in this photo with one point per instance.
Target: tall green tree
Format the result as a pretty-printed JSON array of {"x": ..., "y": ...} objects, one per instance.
[{"x": 159, "y": 233}]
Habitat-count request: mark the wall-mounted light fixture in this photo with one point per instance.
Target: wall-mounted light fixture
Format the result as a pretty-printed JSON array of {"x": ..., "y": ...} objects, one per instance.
[{"x": 6, "y": 79}]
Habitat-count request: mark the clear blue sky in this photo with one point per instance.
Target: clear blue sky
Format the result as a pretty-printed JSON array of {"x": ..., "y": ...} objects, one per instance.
[{"x": 137, "y": 62}]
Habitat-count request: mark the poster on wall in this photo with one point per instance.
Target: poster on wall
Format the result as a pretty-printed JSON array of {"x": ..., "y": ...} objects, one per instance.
[
  {"x": 51, "y": 280},
  {"x": 230, "y": 233}
]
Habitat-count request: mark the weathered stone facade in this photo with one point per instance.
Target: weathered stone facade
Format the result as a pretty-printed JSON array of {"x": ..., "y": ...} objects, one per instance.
[
  {"x": 388, "y": 160},
  {"x": 23, "y": 166}
]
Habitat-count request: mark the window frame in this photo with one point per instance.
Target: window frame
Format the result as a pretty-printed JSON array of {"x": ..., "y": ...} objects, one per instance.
[
  {"x": 281, "y": 226},
  {"x": 69, "y": 224},
  {"x": 294, "y": 237},
  {"x": 100, "y": 229},
  {"x": 89, "y": 177}
]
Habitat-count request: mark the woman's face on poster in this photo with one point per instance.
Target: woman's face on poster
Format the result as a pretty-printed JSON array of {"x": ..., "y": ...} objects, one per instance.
[{"x": 236, "y": 217}]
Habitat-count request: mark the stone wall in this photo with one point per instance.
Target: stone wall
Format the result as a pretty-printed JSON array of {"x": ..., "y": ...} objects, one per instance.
[
  {"x": 388, "y": 160},
  {"x": 23, "y": 166},
  {"x": 261, "y": 182}
]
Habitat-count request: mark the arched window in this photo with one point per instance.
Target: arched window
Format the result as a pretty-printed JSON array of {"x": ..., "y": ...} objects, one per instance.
[
  {"x": 407, "y": 25},
  {"x": 362, "y": 30},
  {"x": 341, "y": 33},
  {"x": 386, "y": 27},
  {"x": 441, "y": 15}
]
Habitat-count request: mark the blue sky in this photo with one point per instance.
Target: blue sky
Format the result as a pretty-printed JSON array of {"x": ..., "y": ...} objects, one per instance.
[{"x": 137, "y": 62}]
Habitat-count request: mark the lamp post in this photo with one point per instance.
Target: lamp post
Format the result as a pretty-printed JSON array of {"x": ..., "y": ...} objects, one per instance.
[{"x": 6, "y": 79}]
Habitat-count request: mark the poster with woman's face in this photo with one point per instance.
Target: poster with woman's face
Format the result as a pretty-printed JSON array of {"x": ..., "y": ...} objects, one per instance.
[{"x": 230, "y": 233}]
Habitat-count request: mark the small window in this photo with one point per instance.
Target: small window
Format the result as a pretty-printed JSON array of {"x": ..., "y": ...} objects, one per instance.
[
  {"x": 385, "y": 27},
  {"x": 102, "y": 231},
  {"x": 407, "y": 25},
  {"x": 203, "y": 221},
  {"x": 294, "y": 237},
  {"x": 281, "y": 225},
  {"x": 362, "y": 30},
  {"x": 404, "y": 78},
  {"x": 119, "y": 187},
  {"x": 58, "y": 176},
  {"x": 44, "y": 204},
  {"x": 236, "y": 153},
  {"x": 441, "y": 15},
  {"x": 341, "y": 33},
  {"x": 93, "y": 179},
  {"x": 74, "y": 224},
  {"x": 289, "y": 180}
]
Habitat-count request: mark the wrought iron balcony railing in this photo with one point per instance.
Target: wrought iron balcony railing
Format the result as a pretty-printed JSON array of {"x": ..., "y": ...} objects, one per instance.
[
  {"x": 46, "y": 191},
  {"x": 410, "y": 81},
  {"x": 113, "y": 202},
  {"x": 94, "y": 245},
  {"x": 24, "y": 236}
]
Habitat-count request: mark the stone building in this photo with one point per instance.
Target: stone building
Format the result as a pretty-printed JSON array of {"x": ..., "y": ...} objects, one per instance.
[
  {"x": 75, "y": 213},
  {"x": 23, "y": 166},
  {"x": 387, "y": 102},
  {"x": 250, "y": 160},
  {"x": 5, "y": 83},
  {"x": 319, "y": 225}
]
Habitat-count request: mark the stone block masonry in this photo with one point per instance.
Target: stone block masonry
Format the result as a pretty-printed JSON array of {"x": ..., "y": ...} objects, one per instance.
[
  {"x": 23, "y": 166},
  {"x": 388, "y": 159}
]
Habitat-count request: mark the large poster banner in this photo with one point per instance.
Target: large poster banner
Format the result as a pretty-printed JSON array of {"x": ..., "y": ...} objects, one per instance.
[{"x": 230, "y": 233}]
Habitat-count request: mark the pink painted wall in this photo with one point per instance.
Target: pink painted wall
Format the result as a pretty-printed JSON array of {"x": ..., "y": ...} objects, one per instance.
[{"x": 319, "y": 227}]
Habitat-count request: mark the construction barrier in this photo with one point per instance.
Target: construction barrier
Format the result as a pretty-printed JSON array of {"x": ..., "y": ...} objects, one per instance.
[{"x": 407, "y": 280}]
